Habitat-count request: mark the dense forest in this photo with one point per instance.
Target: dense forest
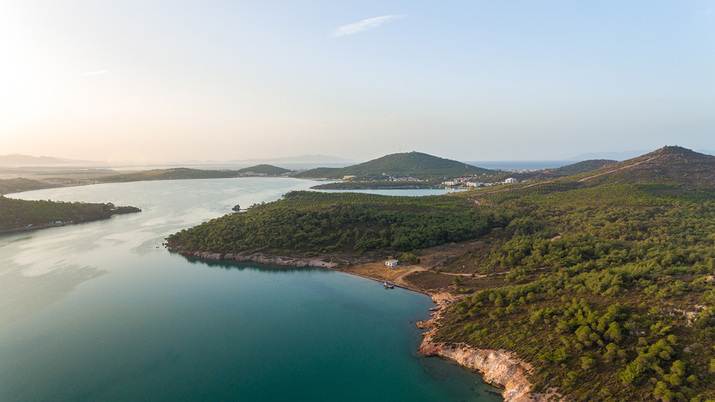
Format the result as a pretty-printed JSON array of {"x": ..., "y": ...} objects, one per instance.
[
  {"x": 608, "y": 292},
  {"x": 604, "y": 281},
  {"x": 313, "y": 223},
  {"x": 22, "y": 214}
]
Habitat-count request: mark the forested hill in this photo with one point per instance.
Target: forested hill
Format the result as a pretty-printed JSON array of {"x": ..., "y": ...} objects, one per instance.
[
  {"x": 412, "y": 164},
  {"x": 603, "y": 282},
  {"x": 308, "y": 223},
  {"x": 22, "y": 214},
  {"x": 667, "y": 165}
]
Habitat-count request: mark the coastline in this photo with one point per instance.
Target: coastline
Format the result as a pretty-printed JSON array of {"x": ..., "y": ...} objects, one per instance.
[
  {"x": 496, "y": 367},
  {"x": 67, "y": 223}
]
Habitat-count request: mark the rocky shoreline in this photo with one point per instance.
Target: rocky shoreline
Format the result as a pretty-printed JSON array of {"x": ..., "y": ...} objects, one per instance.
[{"x": 498, "y": 368}]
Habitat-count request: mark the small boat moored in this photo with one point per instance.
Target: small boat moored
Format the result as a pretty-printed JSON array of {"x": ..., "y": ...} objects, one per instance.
[{"x": 388, "y": 285}]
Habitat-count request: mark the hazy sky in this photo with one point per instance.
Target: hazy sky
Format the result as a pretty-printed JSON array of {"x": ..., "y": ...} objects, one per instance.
[{"x": 469, "y": 80}]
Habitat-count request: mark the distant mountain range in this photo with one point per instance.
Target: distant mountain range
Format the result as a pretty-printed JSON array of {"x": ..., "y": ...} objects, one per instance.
[
  {"x": 291, "y": 162},
  {"x": 302, "y": 159},
  {"x": 294, "y": 162},
  {"x": 19, "y": 160}
]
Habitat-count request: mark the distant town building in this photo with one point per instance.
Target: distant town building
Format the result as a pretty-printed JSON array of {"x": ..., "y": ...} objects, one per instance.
[
  {"x": 391, "y": 263},
  {"x": 510, "y": 180}
]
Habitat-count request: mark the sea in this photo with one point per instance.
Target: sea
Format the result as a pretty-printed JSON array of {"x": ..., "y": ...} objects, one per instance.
[{"x": 101, "y": 311}]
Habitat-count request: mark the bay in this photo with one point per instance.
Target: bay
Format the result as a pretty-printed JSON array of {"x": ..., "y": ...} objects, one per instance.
[{"x": 101, "y": 311}]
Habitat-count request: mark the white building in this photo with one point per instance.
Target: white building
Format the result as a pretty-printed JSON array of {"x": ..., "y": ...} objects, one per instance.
[
  {"x": 391, "y": 263},
  {"x": 451, "y": 183},
  {"x": 510, "y": 180}
]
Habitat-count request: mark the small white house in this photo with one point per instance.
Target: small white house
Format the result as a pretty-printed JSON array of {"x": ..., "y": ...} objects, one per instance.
[
  {"x": 510, "y": 180},
  {"x": 391, "y": 263}
]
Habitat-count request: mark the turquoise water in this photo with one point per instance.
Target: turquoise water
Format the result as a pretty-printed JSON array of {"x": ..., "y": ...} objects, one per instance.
[{"x": 100, "y": 311}]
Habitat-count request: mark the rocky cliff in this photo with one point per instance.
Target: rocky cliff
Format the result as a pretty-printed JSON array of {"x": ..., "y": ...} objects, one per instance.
[{"x": 497, "y": 367}]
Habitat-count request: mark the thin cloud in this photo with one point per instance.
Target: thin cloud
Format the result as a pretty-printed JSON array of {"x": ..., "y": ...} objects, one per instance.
[
  {"x": 100, "y": 72},
  {"x": 364, "y": 25}
]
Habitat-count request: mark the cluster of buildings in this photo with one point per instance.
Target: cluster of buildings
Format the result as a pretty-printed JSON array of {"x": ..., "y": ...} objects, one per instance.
[
  {"x": 467, "y": 182},
  {"x": 389, "y": 178}
]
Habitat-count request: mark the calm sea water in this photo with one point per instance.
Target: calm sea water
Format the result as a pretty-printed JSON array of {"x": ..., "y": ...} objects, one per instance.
[{"x": 100, "y": 311}]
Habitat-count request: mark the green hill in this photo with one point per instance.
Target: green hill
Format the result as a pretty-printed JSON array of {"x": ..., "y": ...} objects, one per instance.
[
  {"x": 413, "y": 164},
  {"x": 602, "y": 282},
  {"x": 307, "y": 223},
  {"x": 24, "y": 215},
  {"x": 667, "y": 165},
  {"x": 263, "y": 169}
]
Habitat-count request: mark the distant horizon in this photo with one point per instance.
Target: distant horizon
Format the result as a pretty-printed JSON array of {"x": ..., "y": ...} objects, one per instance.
[{"x": 304, "y": 161}]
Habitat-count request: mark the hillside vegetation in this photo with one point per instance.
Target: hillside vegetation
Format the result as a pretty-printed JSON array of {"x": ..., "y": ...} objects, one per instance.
[
  {"x": 310, "y": 223},
  {"x": 413, "y": 164},
  {"x": 604, "y": 282},
  {"x": 20, "y": 184},
  {"x": 22, "y": 214},
  {"x": 582, "y": 167}
]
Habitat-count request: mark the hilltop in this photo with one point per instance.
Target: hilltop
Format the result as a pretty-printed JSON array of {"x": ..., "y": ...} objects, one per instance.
[
  {"x": 410, "y": 164},
  {"x": 667, "y": 165},
  {"x": 263, "y": 170}
]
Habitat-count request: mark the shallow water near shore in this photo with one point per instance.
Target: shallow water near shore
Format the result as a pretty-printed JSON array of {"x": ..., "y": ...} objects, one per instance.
[{"x": 101, "y": 311}]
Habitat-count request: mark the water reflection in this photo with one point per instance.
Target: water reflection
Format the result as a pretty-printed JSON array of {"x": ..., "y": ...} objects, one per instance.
[
  {"x": 254, "y": 266},
  {"x": 24, "y": 295}
]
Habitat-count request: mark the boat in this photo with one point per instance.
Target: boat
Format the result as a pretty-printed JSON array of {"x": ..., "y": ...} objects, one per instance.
[{"x": 388, "y": 285}]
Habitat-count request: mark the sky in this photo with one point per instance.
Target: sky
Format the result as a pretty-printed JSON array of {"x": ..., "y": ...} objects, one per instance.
[{"x": 140, "y": 81}]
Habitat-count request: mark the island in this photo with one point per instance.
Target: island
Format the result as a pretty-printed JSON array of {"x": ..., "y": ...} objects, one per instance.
[
  {"x": 596, "y": 285},
  {"x": 187, "y": 173},
  {"x": 19, "y": 215},
  {"x": 412, "y": 170}
]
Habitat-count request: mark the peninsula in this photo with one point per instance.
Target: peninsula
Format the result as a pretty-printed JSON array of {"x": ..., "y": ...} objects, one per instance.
[
  {"x": 19, "y": 215},
  {"x": 595, "y": 285}
]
